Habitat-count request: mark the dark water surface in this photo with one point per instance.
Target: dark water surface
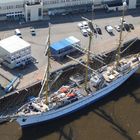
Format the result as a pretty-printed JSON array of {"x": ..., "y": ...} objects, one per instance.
[{"x": 116, "y": 117}]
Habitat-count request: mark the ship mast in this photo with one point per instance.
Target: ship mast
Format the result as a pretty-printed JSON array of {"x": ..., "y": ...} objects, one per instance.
[
  {"x": 48, "y": 53},
  {"x": 45, "y": 81},
  {"x": 88, "y": 59},
  {"x": 90, "y": 24},
  {"x": 120, "y": 37}
]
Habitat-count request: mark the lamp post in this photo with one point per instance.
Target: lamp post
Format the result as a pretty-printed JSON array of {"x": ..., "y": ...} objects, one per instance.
[
  {"x": 92, "y": 10},
  {"x": 120, "y": 37}
]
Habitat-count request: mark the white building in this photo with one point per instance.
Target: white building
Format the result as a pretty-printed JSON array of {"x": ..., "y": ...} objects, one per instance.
[
  {"x": 33, "y": 10},
  {"x": 15, "y": 51}
]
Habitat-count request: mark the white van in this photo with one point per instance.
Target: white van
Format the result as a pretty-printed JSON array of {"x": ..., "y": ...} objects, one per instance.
[{"x": 18, "y": 33}]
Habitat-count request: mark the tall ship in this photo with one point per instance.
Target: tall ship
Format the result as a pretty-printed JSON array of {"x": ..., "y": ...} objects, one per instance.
[{"x": 77, "y": 86}]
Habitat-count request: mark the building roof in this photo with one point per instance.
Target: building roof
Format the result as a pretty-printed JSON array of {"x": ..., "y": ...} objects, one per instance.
[
  {"x": 13, "y": 44},
  {"x": 64, "y": 43}
]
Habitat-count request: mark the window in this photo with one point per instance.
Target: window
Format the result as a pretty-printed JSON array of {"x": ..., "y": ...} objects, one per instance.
[
  {"x": 20, "y": 6},
  {"x": 18, "y": 62},
  {"x": 29, "y": 15},
  {"x": 39, "y": 12}
]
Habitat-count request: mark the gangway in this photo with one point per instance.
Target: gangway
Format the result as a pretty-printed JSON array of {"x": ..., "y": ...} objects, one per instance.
[
  {"x": 96, "y": 57},
  {"x": 9, "y": 87}
]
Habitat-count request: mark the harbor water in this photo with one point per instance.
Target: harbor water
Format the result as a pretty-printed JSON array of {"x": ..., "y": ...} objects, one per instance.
[{"x": 116, "y": 117}]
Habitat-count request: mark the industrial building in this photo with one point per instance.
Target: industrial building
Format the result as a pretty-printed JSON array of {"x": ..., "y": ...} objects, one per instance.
[
  {"x": 64, "y": 47},
  {"x": 15, "y": 52},
  {"x": 32, "y": 10}
]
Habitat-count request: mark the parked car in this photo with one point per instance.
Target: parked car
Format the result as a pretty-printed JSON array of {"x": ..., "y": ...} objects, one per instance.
[
  {"x": 109, "y": 28},
  {"x": 92, "y": 28},
  {"x": 18, "y": 33},
  {"x": 117, "y": 27},
  {"x": 84, "y": 32},
  {"x": 89, "y": 30},
  {"x": 32, "y": 30},
  {"x": 98, "y": 30},
  {"x": 85, "y": 24},
  {"x": 131, "y": 26},
  {"x": 94, "y": 31},
  {"x": 122, "y": 27},
  {"x": 64, "y": 14},
  {"x": 80, "y": 25},
  {"x": 126, "y": 26},
  {"x": 123, "y": 20},
  {"x": 22, "y": 21}
]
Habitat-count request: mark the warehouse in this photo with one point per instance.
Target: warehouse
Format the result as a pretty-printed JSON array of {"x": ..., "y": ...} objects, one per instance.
[
  {"x": 32, "y": 10},
  {"x": 64, "y": 47},
  {"x": 15, "y": 52}
]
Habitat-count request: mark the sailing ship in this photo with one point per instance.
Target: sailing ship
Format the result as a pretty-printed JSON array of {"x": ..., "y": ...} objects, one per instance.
[
  {"x": 76, "y": 90},
  {"x": 73, "y": 96}
]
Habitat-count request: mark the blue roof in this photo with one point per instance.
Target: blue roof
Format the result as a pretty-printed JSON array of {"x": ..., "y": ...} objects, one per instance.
[{"x": 63, "y": 43}]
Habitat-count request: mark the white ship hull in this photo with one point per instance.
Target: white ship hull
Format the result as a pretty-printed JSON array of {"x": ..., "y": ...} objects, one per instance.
[{"x": 31, "y": 120}]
